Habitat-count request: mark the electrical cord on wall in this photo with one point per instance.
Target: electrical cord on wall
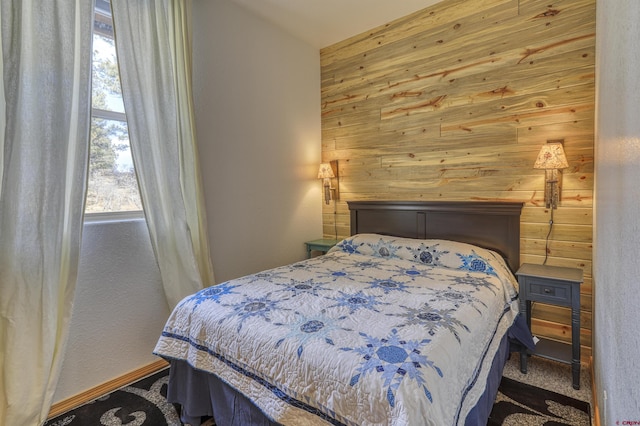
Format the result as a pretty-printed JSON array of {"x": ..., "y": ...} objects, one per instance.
[
  {"x": 546, "y": 246},
  {"x": 335, "y": 219}
]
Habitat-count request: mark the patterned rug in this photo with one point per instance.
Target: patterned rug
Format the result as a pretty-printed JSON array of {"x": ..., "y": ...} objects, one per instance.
[
  {"x": 144, "y": 404},
  {"x": 521, "y": 404}
]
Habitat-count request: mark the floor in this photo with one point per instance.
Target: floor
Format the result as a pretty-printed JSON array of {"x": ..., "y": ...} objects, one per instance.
[{"x": 551, "y": 375}]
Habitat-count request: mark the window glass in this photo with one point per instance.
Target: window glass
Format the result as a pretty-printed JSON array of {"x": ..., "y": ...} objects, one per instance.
[
  {"x": 106, "y": 93},
  {"x": 112, "y": 183}
]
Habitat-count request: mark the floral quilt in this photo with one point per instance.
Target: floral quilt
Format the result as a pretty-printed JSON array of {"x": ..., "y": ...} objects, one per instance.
[{"x": 379, "y": 331}]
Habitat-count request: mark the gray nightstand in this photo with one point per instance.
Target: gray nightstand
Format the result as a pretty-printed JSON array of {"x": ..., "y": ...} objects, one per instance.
[
  {"x": 322, "y": 245},
  {"x": 559, "y": 286}
]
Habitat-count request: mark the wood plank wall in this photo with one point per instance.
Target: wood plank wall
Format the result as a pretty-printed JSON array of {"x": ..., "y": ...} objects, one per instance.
[{"x": 453, "y": 103}]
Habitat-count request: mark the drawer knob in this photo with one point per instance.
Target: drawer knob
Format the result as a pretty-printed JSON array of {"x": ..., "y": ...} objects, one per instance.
[{"x": 547, "y": 290}]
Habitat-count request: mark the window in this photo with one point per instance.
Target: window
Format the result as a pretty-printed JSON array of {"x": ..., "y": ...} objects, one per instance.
[{"x": 113, "y": 186}]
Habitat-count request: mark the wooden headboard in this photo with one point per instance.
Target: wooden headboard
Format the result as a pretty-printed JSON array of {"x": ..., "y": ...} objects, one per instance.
[{"x": 492, "y": 225}]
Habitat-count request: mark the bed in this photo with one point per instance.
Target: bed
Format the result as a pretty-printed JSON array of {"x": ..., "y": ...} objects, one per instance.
[{"x": 408, "y": 322}]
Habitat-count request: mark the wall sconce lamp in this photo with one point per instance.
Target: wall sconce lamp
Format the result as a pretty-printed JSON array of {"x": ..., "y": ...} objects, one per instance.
[
  {"x": 552, "y": 159},
  {"x": 327, "y": 172}
]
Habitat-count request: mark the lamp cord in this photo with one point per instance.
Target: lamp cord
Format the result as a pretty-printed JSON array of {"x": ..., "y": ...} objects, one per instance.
[
  {"x": 546, "y": 247},
  {"x": 335, "y": 219}
]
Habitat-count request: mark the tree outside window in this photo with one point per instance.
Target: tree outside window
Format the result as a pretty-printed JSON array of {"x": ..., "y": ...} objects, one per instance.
[{"x": 112, "y": 186}]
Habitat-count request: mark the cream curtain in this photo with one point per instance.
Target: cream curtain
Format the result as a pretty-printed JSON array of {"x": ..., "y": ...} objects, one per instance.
[
  {"x": 154, "y": 54},
  {"x": 46, "y": 64}
]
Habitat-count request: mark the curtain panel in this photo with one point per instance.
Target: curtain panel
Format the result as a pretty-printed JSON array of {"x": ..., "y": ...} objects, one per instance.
[
  {"x": 154, "y": 53},
  {"x": 46, "y": 76}
]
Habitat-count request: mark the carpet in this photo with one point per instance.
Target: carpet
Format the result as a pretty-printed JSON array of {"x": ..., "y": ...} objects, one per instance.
[
  {"x": 521, "y": 404},
  {"x": 144, "y": 404}
]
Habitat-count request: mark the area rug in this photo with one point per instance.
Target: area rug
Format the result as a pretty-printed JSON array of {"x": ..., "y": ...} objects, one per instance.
[
  {"x": 144, "y": 403},
  {"x": 521, "y": 404}
]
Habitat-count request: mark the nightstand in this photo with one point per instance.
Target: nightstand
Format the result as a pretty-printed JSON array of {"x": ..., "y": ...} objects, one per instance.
[
  {"x": 559, "y": 286},
  {"x": 323, "y": 245}
]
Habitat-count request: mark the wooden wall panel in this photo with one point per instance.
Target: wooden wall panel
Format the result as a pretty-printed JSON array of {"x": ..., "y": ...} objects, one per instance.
[{"x": 453, "y": 103}]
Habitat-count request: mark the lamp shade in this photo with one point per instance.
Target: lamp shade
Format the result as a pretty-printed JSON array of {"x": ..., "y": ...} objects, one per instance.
[
  {"x": 551, "y": 156},
  {"x": 325, "y": 171}
]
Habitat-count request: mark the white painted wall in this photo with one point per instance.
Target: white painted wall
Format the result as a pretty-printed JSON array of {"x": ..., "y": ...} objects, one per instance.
[
  {"x": 258, "y": 120},
  {"x": 257, "y": 102},
  {"x": 617, "y": 207},
  {"x": 119, "y": 307}
]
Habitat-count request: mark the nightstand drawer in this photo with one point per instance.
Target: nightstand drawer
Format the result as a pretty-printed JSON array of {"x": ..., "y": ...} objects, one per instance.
[{"x": 548, "y": 291}]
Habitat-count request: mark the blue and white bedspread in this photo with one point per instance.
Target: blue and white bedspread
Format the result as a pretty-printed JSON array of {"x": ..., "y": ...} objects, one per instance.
[{"x": 380, "y": 330}]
